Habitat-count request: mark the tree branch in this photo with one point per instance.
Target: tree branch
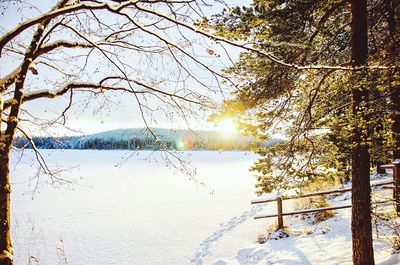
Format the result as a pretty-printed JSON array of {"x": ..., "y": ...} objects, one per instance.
[{"x": 268, "y": 55}]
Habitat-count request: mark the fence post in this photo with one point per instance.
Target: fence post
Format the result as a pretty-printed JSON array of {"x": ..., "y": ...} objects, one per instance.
[
  {"x": 280, "y": 218},
  {"x": 396, "y": 181}
]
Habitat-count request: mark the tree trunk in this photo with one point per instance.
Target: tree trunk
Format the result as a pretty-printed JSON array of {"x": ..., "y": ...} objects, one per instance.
[
  {"x": 395, "y": 116},
  {"x": 361, "y": 227},
  {"x": 394, "y": 90},
  {"x": 6, "y": 138},
  {"x": 6, "y": 251}
]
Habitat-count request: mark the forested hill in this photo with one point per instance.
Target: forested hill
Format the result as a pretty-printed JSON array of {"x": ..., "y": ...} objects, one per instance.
[{"x": 141, "y": 139}]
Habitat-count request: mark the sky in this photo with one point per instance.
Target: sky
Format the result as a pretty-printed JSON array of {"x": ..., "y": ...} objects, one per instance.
[{"x": 116, "y": 110}]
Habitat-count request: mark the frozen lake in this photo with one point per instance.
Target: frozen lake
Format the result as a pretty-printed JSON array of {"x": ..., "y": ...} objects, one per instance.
[{"x": 138, "y": 213}]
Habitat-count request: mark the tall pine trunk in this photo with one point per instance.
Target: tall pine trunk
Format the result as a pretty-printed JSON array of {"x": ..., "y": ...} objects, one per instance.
[
  {"x": 395, "y": 116},
  {"x": 395, "y": 108},
  {"x": 361, "y": 227},
  {"x": 392, "y": 13}
]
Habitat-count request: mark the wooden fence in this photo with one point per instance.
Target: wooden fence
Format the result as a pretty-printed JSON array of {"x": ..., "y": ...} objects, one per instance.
[{"x": 395, "y": 185}]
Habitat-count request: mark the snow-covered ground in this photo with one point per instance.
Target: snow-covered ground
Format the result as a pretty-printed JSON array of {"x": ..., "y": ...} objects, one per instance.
[
  {"x": 327, "y": 242},
  {"x": 143, "y": 213}
]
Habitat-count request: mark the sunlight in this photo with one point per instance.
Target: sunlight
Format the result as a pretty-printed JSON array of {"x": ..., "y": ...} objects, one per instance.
[{"x": 226, "y": 127}]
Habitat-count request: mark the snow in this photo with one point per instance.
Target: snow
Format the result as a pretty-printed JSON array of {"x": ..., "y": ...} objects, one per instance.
[
  {"x": 328, "y": 242},
  {"x": 143, "y": 213}
]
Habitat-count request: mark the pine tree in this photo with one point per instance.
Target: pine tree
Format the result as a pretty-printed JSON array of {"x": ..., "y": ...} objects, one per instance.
[{"x": 332, "y": 119}]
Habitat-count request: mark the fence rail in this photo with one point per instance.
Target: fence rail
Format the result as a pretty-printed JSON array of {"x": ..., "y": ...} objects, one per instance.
[
  {"x": 395, "y": 186},
  {"x": 317, "y": 193},
  {"x": 314, "y": 210}
]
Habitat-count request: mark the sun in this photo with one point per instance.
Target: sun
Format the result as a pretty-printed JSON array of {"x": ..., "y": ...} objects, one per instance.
[{"x": 227, "y": 127}]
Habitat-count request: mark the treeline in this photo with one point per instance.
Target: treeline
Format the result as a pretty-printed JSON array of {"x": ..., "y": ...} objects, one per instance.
[{"x": 81, "y": 142}]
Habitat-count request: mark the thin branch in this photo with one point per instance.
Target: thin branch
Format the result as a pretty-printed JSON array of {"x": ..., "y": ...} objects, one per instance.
[{"x": 268, "y": 55}]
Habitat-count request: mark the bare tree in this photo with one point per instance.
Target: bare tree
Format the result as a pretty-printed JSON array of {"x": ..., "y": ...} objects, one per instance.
[{"x": 90, "y": 49}]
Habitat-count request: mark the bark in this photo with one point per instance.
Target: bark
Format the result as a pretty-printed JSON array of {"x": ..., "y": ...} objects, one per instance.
[
  {"x": 361, "y": 227},
  {"x": 395, "y": 108},
  {"x": 395, "y": 117},
  {"x": 394, "y": 90},
  {"x": 6, "y": 251}
]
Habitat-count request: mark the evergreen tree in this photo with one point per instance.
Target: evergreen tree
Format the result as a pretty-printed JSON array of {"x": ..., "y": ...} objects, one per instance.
[{"x": 333, "y": 120}]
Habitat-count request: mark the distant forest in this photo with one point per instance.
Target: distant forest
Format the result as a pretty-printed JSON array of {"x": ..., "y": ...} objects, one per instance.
[{"x": 136, "y": 139}]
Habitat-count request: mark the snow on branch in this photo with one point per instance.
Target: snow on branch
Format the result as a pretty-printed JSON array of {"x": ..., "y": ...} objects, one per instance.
[
  {"x": 117, "y": 8},
  {"x": 268, "y": 55},
  {"x": 100, "y": 87},
  {"x": 10, "y": 79}
]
